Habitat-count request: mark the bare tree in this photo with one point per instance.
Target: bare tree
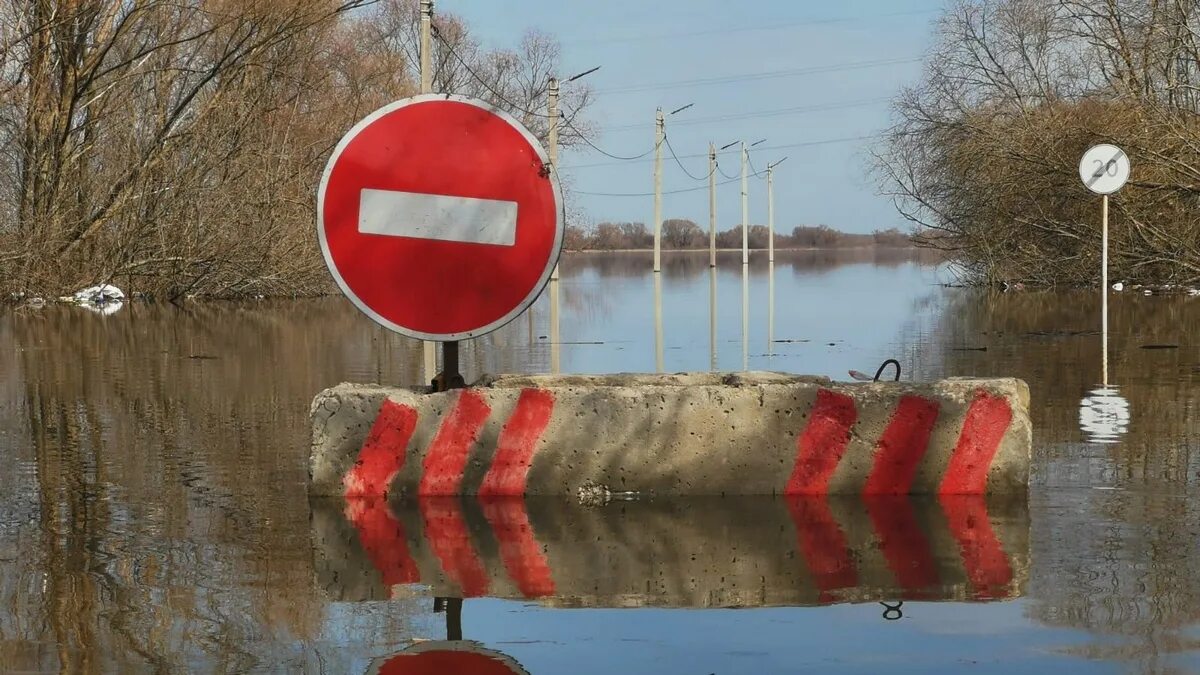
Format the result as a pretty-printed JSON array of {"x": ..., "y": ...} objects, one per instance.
[
  {"x": 174, "y": 146},
  {"x": 984, "y": 155}
]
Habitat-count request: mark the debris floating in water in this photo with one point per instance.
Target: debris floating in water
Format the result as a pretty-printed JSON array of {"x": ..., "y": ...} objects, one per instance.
[
  {"x": 1118, "y": 287},
  {"x": 105, "y": 298}
]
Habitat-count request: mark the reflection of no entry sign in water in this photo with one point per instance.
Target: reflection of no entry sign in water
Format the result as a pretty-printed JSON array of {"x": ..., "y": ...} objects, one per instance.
[
  {"x": 439, "y": 218},
  {"x": 1104, "y": 169},
  {"x": 447, "y": 658},
  {"x": 1104, "y": 416}
]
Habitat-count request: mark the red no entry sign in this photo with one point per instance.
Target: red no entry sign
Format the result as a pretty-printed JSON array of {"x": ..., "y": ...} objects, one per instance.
[{"x": 438, "y": 217}]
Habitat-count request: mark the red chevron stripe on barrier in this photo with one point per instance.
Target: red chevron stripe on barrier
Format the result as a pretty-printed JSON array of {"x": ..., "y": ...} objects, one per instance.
[
  {"x": 447, "y": 455},
  {"x": 448, "y": 537},
  {"x": 987, "y": 420},
  {"x": 517, "y": 443},
  {"x": 821, "y": 446},
  {"x": 902, "y": 446},
  {"x": 382, "y": 455}
]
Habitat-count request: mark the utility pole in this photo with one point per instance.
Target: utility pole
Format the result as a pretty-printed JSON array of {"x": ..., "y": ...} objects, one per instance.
[
  {"x": 771, "y": 209},
  {"x": 659, "y": 132},
  {"x": 770, "y": 213},
  {"x": 712, "y": 205},
  {"x": 426, "y": 50},
  {"x": 552, "y": 138},
  {"x": 429, "y": 349},
  {"x": 745, "y": 207},
  {"x": 552, "y": 111}
]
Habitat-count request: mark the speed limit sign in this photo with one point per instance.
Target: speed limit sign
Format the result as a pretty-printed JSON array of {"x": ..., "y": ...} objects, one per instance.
[{"x": 1104, "y": 169}]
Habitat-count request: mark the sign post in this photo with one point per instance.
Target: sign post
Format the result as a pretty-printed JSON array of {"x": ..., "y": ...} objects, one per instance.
[
  {"x": 439, "y": 219},
  {"x": 1104, "y": 414},
  {"x": 1104, "y": 169}
]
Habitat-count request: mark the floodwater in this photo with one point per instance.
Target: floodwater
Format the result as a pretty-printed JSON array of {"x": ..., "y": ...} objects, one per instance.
[{"x": 153, "y": 515}]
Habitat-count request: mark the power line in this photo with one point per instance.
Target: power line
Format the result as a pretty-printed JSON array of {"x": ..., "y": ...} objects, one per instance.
[
  {"x": 756, "y": 173},
  {"x": 769, "y": 147},
  {"x": 648, "y": 194},
  {"x": 761, "y": 27},
  {"x": 752, "y": 77},
  {"x": 567, "y": 121},
  {"x": 764, "y": 113},
  {"x": 681, "y": 166}
]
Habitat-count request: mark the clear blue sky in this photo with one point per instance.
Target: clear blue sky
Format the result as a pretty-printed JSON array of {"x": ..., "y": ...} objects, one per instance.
[{"x": 649, "y": 42}]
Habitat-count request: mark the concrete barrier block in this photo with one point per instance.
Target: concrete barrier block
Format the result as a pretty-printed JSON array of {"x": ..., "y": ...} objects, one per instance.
[{"x": 689, "y": 434}]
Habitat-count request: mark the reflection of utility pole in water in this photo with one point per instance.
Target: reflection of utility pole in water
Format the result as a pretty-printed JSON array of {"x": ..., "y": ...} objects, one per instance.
[
  {"x": 552, "y": 141},
  {"x": 658, "y": 327},
  {"x": 712, "y": 318},
  {"x": 771, "y": 309},
  {"x": 745, "y": 317},
  {"x": 430, "y": 350},
  {"x": 771, "y": 256}
]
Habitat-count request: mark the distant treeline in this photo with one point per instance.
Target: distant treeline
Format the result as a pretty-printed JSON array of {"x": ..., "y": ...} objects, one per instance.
[{"x": 685, "y": 234}]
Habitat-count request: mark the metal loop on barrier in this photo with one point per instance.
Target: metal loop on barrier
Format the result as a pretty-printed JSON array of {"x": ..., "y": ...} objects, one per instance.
[{"x": 884, "y": 365}]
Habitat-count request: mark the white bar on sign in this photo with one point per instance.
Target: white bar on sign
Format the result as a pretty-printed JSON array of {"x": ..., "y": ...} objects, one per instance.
[{"x": 423, "y": 216}]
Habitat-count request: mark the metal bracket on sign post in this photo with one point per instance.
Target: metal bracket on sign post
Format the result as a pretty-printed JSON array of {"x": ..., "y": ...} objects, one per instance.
[{"x": 449, "y": 378}]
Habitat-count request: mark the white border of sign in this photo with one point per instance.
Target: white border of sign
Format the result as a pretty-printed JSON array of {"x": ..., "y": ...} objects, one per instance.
[
  {"x": 1120, "y": 162},
  {"x": 558, "y": 211}
]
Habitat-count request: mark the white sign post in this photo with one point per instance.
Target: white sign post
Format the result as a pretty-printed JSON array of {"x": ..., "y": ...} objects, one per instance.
[
  {"x": 1104, "y": 170},
  {"x": 1104, "y": 414}
]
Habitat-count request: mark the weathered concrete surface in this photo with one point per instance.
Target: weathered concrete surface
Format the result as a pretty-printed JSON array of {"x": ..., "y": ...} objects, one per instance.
[
  {"x": 691, "y": 434},
  {"x": 688, "y": 552}
]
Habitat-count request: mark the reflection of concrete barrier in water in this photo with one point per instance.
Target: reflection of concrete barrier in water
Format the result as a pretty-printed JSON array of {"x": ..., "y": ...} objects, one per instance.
[
  {"x": 673, "y": 435},
  {"x": 696, "y": 552}
]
